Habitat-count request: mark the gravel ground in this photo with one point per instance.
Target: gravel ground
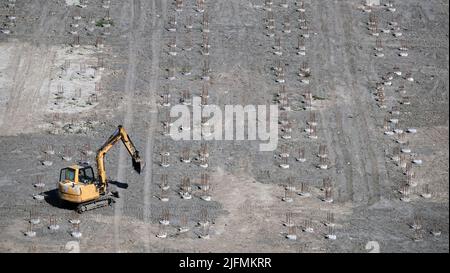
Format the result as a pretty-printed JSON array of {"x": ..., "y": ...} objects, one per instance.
[{"x": 247, "y": 186}]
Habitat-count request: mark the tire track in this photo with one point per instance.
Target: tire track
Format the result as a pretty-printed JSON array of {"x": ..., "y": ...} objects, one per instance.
[
  {"x": 137, "y": 19},
  {"x": 355, "y": 161},
  {"x": 353, "y": 142},
  {"x": 367, "y": 151},
  {"x": 337, "y": 139},
  {"x": 157, "y": 28}
]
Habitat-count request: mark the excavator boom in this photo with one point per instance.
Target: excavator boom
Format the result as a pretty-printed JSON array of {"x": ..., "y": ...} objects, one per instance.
[{"x": 119, "y": 134}]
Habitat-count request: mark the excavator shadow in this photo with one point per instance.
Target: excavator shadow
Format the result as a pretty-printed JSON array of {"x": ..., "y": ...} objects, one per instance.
[
  {"x": 52, "y": 198},
  {"x": 118, "y": 184}
]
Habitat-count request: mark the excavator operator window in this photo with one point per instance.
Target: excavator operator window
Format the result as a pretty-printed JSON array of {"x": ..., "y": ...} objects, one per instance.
[
  {"x": 67, "y": 174},
  {"x": 86, "y": 175}
]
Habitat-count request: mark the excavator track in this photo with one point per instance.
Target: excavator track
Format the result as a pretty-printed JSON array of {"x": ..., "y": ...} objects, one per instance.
[{"x": 95, "y": 204}]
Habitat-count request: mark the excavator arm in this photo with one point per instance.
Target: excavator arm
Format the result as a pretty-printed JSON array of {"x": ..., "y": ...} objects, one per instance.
[{"x": 119, "y": 134}]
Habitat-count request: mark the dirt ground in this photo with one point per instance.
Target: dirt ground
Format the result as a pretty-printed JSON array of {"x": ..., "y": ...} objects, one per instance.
[{"x": 67, "y": 80}]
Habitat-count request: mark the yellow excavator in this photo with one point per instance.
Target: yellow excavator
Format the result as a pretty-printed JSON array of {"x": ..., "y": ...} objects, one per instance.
[{"x": 77, "y": 184}]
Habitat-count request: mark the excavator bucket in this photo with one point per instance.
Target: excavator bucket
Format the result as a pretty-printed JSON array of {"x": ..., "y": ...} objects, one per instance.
[{"x": 138, "y": 164}]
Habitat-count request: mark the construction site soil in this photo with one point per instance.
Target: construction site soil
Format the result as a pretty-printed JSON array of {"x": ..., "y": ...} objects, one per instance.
[{"x": 69, "y": 75}]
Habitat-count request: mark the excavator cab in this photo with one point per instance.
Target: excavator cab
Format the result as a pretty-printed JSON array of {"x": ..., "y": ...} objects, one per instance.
[
  {"x": 77, "y": 184},
  {"x": 77, "y": 174},
  {"x": 86, "y": 175},
  {"x": 68, "y": 174}
]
